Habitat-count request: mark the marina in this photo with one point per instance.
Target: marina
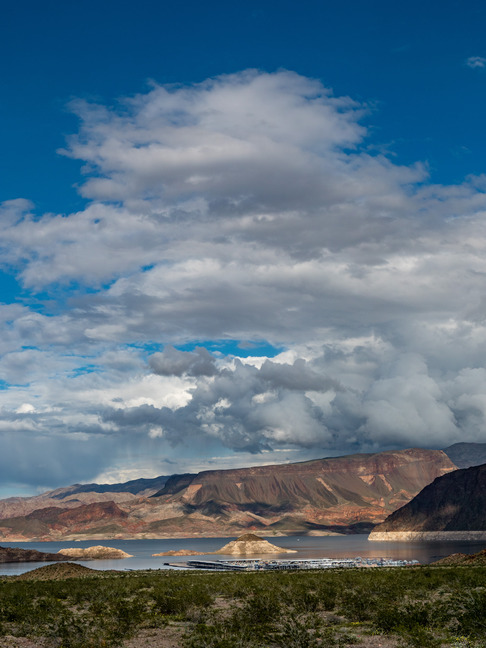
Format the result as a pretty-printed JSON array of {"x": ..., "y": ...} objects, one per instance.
[{"x": 258, "y": 564}]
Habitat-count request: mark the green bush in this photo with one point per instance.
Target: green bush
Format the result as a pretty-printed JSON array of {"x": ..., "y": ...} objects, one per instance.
[{"x": 299, "y": 633}]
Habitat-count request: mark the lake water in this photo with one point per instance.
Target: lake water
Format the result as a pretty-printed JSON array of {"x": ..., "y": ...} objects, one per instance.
[{"x": 306, "y": 547}]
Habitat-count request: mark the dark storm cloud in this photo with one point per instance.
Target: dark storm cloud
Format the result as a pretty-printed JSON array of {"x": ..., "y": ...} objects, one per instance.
[
  {"x": 245, "y": 408},
  {"x": 172, "y": 362}
]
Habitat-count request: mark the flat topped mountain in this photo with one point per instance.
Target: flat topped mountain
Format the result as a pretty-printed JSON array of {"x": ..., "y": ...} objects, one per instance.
[
  {"x": 348, "y": 494},
  {"x": 251, "y": 544},
  {"x": 324, "y": 494},
  {"x": 453, "y": 503}
]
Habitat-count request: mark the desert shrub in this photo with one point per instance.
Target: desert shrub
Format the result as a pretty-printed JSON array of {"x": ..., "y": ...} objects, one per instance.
[
  {"x": 410, "y": 615},
  {"x": 261, "y": 608},
  {"x": 299, "y": 633},
  {"x": 218, "y": 635},
  {"x": 420, "y": 637},
  {"x": 306, "y": 601},
  {"x": 472, "y": 618},
  {"x": 171, "y": 603},
  {"x": 387, "y": 619},
  {"x": 327, "y": 594},
  {"x": 357, "y": 604},
  {"x": 264, "y": 609},
  {"x": 125, "y": 615},
  {"x": 72, "y": 632},
  {"x": 177, "y": 600}
]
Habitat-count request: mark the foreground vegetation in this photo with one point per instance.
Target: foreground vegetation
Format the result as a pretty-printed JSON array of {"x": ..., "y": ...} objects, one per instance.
[{"x": 425, "y": 607}]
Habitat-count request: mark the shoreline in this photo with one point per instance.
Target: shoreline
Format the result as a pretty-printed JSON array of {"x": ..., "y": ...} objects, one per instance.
[
  {"x": 154, "y": 536},
  {"x": 427, "y": 536}
]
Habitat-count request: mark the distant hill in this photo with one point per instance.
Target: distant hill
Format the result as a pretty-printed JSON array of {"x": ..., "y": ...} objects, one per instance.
[
  {"x": 452, "y": 503},
  {"x": 343, "y": 494},
  {"x": 463, "y": 559},
  {"x": 15, "y": 555},
  {"x": 139, "y": 487},
  {"x": 465, "y": 455},
  {"x": 81, "y": 494}
]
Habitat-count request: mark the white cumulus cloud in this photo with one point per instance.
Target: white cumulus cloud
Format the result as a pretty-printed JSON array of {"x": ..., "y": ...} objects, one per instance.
[
  {"x": 476, "y": 62},
  {"x": 243, "y": 208}
]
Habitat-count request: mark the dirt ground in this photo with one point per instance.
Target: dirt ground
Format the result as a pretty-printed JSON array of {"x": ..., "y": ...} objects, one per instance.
[
  {"x": 20, "y": 642},
  {"x": 171, "y": 637}
]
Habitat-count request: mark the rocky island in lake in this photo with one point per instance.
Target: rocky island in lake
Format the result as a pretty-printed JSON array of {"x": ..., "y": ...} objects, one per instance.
[
  {"x": 251, "y": 544},
  {"x": 180, "y": 552},
  {"x": 94, "y": 553},
  {"x": 247, "y": 544}
]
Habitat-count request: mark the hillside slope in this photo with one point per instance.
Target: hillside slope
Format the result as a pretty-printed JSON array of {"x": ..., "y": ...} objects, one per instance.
[
  {"x": 453, "y": 503},
  {"x": 465, "y": 455}
]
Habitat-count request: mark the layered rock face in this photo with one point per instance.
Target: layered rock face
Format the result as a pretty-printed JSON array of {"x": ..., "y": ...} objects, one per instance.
[
  {"x": 452, "y": 507},
  {"x": 58, "y": 523},
  {"x": 332, "y": 493},
  {"x": 342, "y": 494}
]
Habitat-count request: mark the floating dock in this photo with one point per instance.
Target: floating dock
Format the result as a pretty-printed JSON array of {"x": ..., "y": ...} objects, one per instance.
[{"x": 257, "y": 564}]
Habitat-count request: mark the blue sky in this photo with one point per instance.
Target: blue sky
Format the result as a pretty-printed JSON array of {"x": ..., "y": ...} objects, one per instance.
[
  {"x": 408, "y": 62},
  {"x": 236, "y": 233}
]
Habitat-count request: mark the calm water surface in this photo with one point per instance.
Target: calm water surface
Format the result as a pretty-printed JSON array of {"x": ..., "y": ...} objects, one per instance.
[{"x": 306, "y": 547}]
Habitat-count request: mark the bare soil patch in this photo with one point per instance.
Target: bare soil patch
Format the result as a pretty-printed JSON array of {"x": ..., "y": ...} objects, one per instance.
[{"x": 21, "y": 642}]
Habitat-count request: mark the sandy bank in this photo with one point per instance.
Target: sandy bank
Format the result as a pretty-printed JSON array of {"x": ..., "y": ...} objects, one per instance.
[{"x": 180, "y": 552}]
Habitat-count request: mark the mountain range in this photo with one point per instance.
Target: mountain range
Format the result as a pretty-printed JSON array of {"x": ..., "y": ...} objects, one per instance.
[
  {"x": 346, "y": 494},
  {"x": 465, "y": 455}
]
